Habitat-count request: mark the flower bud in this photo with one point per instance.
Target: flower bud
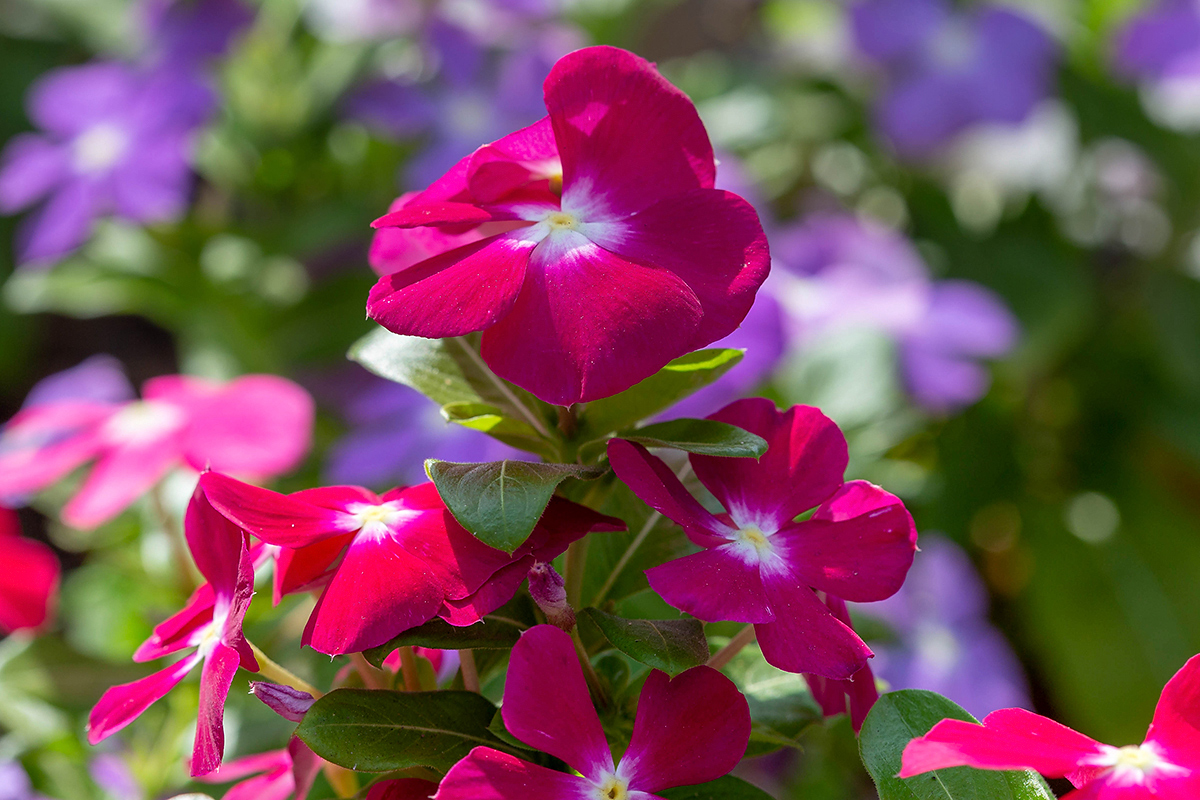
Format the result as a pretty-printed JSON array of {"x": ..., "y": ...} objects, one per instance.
[
  {"x": 547, "y": 589},
  {"x": 289, "y": 703}
]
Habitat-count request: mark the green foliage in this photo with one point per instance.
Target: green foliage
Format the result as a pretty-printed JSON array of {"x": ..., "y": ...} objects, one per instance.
[
  {"x": 380, "y": 731},
  {"x": 703, "y": 436},
  {"x": 672, "y": 645},
  {"x": 727, "y": 788},
  {"x": 899, "y": 717}
]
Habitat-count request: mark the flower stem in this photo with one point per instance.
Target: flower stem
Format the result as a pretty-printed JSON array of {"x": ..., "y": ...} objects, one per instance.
[
  {"x": 408, "y": 668},
  {"x": 372, "y": 678},
  {"x": 723, "y": 656},
  {"x": 573, "y": 571},
  {"x": 470, "y": 674},
  {"x": 589, "y": 672},
  {"x": 343, "y": 781},
  {"x": 277, "y": 674}
]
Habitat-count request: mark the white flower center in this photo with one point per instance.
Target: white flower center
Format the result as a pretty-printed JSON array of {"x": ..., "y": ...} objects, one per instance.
[
  {"x": 612, "y": 788},
  {"x": 1135, "y": 764},
  {"x": 376, "y": 520},
  {"x": 142, "y": 422},
  {"x": 99, "y": 147}
]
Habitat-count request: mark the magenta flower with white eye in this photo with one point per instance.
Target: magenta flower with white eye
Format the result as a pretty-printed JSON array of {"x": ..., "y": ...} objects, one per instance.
[{"x": 689, "y": 729}]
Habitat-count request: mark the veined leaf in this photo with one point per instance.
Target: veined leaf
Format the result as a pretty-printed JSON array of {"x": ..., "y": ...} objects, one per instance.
[
  {"x": 495, "y": 632},
  {"x": 672, "y": 645},
  {"x": 704, "y": 436}
]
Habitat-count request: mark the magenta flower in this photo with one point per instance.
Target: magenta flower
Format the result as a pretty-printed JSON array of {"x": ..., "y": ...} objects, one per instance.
[
  {"x": 257, "y": 426},
  {"x": 758, "y": 564},
  {"x": 626, "y": 259},
  {"x": 278, "y": 775},
  {"x": 406, "y": 559},
  {"x": 1166, "y": 765},
  {"x": 690, "y": 729},
  {"x": 858, "y": 692},
  {"x": 402, "y": 789},
  {"x": 29, "y": 579},
  {"x": 211, "y": 622}
]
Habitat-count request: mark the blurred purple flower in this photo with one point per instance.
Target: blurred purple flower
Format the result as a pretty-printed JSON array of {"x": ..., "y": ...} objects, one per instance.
[
  {"x": 855, "y": 274},
  {"x": 948, "y": 70},
  {"x": 393, "y": 429},
  {"x": 115, "y": 142},
  {"x": 112, "y": 774},
  {"x": 1160, "y": 48},
  {"x": 946, "y": 643},
  {"x": 100, "y": 378},
  {"x": 184, "y": 34},
  {"x": 14, "y": 783}
]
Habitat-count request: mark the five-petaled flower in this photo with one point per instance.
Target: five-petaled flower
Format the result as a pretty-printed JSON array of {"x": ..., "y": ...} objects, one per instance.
[
  {"x": 1166, "y": 765},
  {"x": 257, "y": 426},
  {"x": 690, "y": 729},
  {"x": 407, "y": 560},
  {"x": 211, "y": 622},
  {"x": 614, "y": 253},
  {"x": 759, "y": 565}
]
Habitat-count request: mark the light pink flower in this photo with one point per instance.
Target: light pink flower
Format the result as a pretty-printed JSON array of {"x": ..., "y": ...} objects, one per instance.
[
  {"x": 1165, "y": 766},
  {"x": 689, "y": 729},
  {"x": 278, "y": 775},
  {"x": 257, "y": 426},
  {"x": 211, "y": 622},
  {"x": 28, "y": 578},
  {"x": 406, "y": 559},
  {"x": 758, "y": 564},
  {"x": 617, "y": 253}
]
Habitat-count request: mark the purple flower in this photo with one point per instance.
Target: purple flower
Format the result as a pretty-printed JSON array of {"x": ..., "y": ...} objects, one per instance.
[
  {"x": 114, "y": 141},
  {"x": 1161, "y": 48},
  {"x": 946, "y": 643},
  {"x": 854, "y": 274},
  {"x": 947, "y": 70},
  {"x": 184, "y": 34},
  {"x": 14, "y": 783}
]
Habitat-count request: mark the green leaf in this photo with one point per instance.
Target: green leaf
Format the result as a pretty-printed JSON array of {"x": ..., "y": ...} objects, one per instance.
[
  {"x": 781, "y": 705},
  {"x": 491, "y": 420},
  {"x": 500, "y": 502},
  {"x": 727, "y": 788},
  {"x": 672, "y": 645},
  {"x": 380, "y": 731},
  {"x": 672, "y": 383},
  {"x": 900, "y": 717},
  {"x": 704, "y": 436},
  {"x": 421, "y": 364},
  {"x": 495, "y": 632}
]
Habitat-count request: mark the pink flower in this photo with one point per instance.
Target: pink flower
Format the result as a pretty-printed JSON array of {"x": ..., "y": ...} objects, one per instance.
[
  {"x": 278, "y": 775},
  {"x": 28, "y": 580},
  {"x": 211, "y": 622},
  {"x": 605, "y": 270},
  {"x": 761, "y": 566},
  {"x": 406, "y": 559},
  {"x": 402, "y": 789},
  {"x": 859, "y": 689},
  {"x": 257, "y": 425},
  {"x": 690, "y": 729},
  {"x": 1166, "y": 765}
]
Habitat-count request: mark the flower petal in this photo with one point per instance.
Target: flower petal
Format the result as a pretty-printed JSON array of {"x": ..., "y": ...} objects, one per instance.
[
  {"x": 690, "y": 729},
  {"x": 657, "y": 486},
  {"x": 304, "y": 568},
  {"x": 1176, "y": 725},
  {"x": 60, "y": 225},
  {"x": 547, "y": 705},
  {"x": 862, "y": 558},
  {"x": 215, "y": 680},
  {"x": 510, "y": 164},
  {"x": 175, "y": 632},
  {"x": 32, "y": 166},
  {"x": 804, "y": 464},
  {"x": 122, "y": 704},
  {"x": 273, "y": 517},
  {"x": 421, "y": 214},
  {"x": 120, "y": 477},
  {"x": 43, "y": 443},
  {"x": 715, "y": 585},
  {"x": 805, "y": 636},
  {"x": 464, "y": 290},
  {"x": 588, "y": 323},
  {"x": 711, "y": 239},
  {"x": 1011, "y": 738},
  {"x": 69, "y": 100},
  {"x": 216, "y": 544},
  {"x": 487, "y": 774},
  {"x": 402, "y": 789},
  {"x": 28, "y": 581},
  {"x": 626, "y": 136}
]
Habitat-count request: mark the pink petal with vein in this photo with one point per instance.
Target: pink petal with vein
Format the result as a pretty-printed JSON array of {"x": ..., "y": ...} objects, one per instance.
[
  {"x": 805, "y": 636},
  {"x": 175, "y": 632},
  {"x": 308, "y": 567},
  {"x": 510, "y": 164},
  {"x": 627, "y": 137},
  {"x": 691, "y": 729},
  {"x": 422, "y": 213},
  {"x": 715, "y": 585},
  {"x": 1176, "y": 725},
  {"x": 215, "y": 679},
  {"x": 547, "y": 705},
  {"x": 454, "y": 293},
  {"x": 394, "y": 249},
  {"x": 487, "y": 774},
  {"x": 122, "y": 704},
  {"x": 1011, "y": 738},
  {"x": 804, "y": 464},
  {"x": 275, "y": 518},
  {"x": 588, "y": 323}
]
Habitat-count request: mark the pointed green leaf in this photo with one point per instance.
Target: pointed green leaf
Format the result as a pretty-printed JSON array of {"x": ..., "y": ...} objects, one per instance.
[
  {"x": 380, "y": 731},
  {"x": 501, "y": 501},
  {"x": 704, "y": 436},
  {"x": 900, "y": 717},
  {"x": 672, "y": 383},
  {"x": 672, "y": 645},
  {"x": 495, "y": 632},
  {"x": 491, "y": 420},
  {"x": 421, "y": 364},
  {"x": 727, "y": 788}
]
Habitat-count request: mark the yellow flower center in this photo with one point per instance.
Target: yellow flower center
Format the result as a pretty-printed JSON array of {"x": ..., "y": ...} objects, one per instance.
[
  {"x": 561, "y": 220},
  {"x": 612, "y": 788}
]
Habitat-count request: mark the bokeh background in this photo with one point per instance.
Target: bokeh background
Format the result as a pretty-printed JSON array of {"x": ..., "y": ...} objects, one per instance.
[{"x": 984, "y": 220}]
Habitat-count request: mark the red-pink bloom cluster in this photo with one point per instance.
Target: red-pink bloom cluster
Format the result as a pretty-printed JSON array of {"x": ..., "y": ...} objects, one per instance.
[
  {"x": 1165, "y": 766},
  {"x": 759, "y": 564},
  {"x": 391, "y": 562},
  {"x": 590, "y": 248},
  {"x": 257, "y": 426},
  {"x": 29, "y": 577}
]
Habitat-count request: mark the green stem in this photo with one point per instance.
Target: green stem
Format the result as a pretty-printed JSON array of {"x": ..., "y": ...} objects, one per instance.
[
  {"x": 408, "y": 668},
  {"x": 372, "y": 678},
  {"x": 575, "y": 564},
  {"x": 277, "y": 674},
  {"x": 723, "y": 656},
  {"x": 589, "y": 672}
]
